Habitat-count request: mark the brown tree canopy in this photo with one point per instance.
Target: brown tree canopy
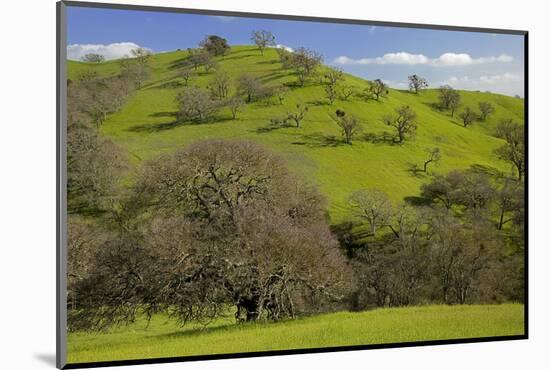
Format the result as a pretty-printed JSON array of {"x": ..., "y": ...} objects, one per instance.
[{"x": 226, "y": 225}]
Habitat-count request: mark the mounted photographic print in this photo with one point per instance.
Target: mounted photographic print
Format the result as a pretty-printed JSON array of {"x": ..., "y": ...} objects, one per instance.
[{"x": 235, "y": 184}]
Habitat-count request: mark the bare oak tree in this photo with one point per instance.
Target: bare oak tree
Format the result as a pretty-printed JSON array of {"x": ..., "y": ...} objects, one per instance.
[
  {"x": 485, "y": 109},
  {"x": 376, "y": 89},
  {"x": 468, "y": 116},
  {"x": 417, "y": 83},
  {"x": 262, "y": 39},
  {"x": 347, "y": 123},
  {"x": 404, "y": 122},
  {"x": 373, "y": 206}
]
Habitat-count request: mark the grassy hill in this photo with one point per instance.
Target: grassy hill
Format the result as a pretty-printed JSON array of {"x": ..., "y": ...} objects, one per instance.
[
  {"x": 146, "y": 127},
  {"x": 163, "y": 338}
]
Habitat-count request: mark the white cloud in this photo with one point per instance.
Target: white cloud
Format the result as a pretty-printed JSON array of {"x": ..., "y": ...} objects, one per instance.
[
  {"x": 111, "y": 51},
  {"x": 396, "y": 84},
  {"x": 287, "y": 48},
  {"x": 506, "y": 83},
  {"x": 444, "y": 60}
]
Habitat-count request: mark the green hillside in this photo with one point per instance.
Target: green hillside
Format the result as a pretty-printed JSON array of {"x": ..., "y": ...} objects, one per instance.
[{"x": 145, "y": 127}]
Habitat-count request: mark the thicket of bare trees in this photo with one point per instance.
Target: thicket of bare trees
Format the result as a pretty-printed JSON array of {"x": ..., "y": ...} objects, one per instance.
[
  {"x": 451, "y": 250},
  {"x": 222, "y": 224},
  {"x": 93, "y": 162}
]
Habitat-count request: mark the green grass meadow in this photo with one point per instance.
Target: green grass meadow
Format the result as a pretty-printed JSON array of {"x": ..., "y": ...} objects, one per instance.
[{"x": 163, "y": 338}]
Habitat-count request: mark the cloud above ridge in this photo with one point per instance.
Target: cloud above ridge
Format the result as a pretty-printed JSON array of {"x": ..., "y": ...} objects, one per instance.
[
  {"x": 444, "y": 60},
  {"x": 115, "y": 50}
]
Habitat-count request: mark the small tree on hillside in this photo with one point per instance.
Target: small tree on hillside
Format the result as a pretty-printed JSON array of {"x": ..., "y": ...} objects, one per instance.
[
  {"x": 249, "y": 86},
  {"x": 454, "y": 104},
  {"x": 416, "y": 83},
  {"x": 93, "y": 58},
  {"x": 186, "y": 73},
  {"x": 298, "y": 115},
  {"x": 136, "y": 69},
  {"x": 449, "y": 98},
  {"x": 215, "y": 45},
  {"x": 142, "y": 55},
  {"x": 196, "y": 104},
  {"x": 347, "y": 92},
  {"x": 434, "y": 156},
  {"x": 330, "y": 92},
  {"x": 235, "y": 104},
  {"x": 263, "y": 39},
  {"x": 372, "y": 206},
  {"x": 281, "y": 92},
  {"x": 376, "y": 89},
  {"x": 333, "y": 76},
  {"x": 404, "y": 122},
  {"x": 468, "y": 116},
  {"x": 220, "y": 84},
  {"x": 199, "y": 57},
  {"x": 485, "y": 109},
  {"x": 285, "y": 57},
  {"x": 347, "y": 123},
  {"x": 209, "y": 64},
  {"x": 305, "y": 62}
]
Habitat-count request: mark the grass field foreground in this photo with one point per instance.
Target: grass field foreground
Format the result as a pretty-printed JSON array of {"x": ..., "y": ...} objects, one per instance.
[{"x": 163, "y": 338}]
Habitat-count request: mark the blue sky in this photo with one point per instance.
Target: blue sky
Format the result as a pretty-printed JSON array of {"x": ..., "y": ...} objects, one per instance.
[{"x": 465, "y": 60}]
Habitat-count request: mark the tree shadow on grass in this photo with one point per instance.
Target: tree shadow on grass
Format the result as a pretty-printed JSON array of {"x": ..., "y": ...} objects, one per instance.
[
  {"x": 414, "y": 170},
  {"x": 383, "y": 138},
  {"x": 269, "y": 61},
  {"x": 272, "y": 127},
  {"x": 164, "y": 114},
  {"x": 318, "y": 140},
  {"x": 319, "y": 102},
  {"x": 201, "y": 330},
  {"x": 169, "y": 85},
  {"x": 435, "y": 107},
  {"x": 488, "y": 170},
  {"x": 158, "y": 127},
  {"x": 237, "y": 57},
  {"x": 177, "y": 63},
  {"x": 273, "y": 76},
  {"x": 417, "y": 201}
]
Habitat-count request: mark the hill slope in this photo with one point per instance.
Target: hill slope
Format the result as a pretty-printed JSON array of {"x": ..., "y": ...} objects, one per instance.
[{"x": 146, "y": 127}]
